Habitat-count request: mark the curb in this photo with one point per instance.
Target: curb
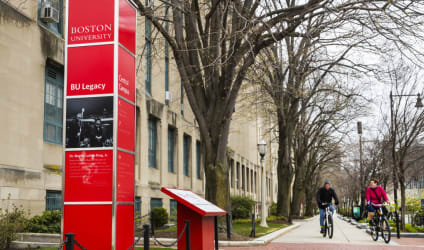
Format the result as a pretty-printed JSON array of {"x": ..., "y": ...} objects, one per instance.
[
  {"x": 364, "y": 227},
  {"x": 261, "y": 241},
  {"x": 403, "y": 235},
  {"x": 310, "y": 219}
]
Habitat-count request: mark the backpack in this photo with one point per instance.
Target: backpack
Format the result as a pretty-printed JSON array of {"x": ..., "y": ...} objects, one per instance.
[{"x": 385, "y": 212}]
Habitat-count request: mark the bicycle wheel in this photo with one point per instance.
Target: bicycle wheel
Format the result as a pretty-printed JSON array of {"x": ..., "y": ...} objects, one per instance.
[
  {"x": 374, "y": 231},
  {"x": 325, "y": 228},
  {"x": 330, "y": 226},
  {"x": 385, "y": 230}
]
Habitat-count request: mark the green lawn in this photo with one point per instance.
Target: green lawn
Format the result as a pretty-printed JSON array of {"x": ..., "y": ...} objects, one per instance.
[
  {"x": 245, "y": 228},
  {"x": 169, "y": 229}
]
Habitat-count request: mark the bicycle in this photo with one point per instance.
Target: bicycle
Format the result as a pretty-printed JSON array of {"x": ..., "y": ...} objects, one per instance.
[
  {"x": 328, "y": 222},
  {"x": 380, "y": 224}
]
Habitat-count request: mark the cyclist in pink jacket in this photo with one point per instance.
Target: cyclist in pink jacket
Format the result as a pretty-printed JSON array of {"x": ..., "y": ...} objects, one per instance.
[{"x": 374, "y": 194}]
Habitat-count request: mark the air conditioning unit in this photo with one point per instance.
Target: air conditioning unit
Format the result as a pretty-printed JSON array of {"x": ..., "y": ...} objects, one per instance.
[
  {"x": 49, "y": 14},
  {"x": 168, "y": 96}
]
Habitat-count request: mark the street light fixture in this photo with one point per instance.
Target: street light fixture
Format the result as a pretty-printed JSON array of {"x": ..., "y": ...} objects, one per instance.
[
  {"x": 418, "y": 104},
  {"x": 262, "y": 152}
]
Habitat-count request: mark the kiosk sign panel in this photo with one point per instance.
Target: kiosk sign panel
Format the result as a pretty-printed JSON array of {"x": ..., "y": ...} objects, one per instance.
[
  {"x": 99, "y": 139},
  {"x": 200, "y": 213}
]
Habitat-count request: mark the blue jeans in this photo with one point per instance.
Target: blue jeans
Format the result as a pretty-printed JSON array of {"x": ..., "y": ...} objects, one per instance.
[{"x": 322, "y": 214}]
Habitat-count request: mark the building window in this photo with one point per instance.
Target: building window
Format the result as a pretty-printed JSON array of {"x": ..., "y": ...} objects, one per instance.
[
  {"x": 137, "y": 205},
  {"x": 54, "y": 26},
  {"x": 173, "y": 210},
  {"x": 198, "y": 159},
  {"x": 232, "y": 173},
  {"x": 186, "y": 155},
  {"x": 152, "y": 143},
  {"x": 251, "y": 181},
  {"x": 53, "y": 104},
  {"x": 255, "y": 182},
  {"x": 53, "y": 200},
  {"x": 247, "y": 180},
  {"x": 238, "y": 175},
  {"x": 155, "y": 202},
  {"x": 148, "y": 37},
  {"x": 243, "y": 183},
  {"x": 171, "y": 147}
]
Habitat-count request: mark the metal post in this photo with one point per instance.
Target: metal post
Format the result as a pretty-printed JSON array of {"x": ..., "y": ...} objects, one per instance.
[
  {"x": 216, "y": 232},
  {"x": 394, "y": 163},
  {"x": 146, "y": 237},
  {"x": 263, "y": 186},
  {"x": 188, "y": 235},
  {"x": 152, "y": 222},
  {"x": 228, "y": 217},
  {"x": 253, "y": 233},
  {"x": 70, "y": 238}
]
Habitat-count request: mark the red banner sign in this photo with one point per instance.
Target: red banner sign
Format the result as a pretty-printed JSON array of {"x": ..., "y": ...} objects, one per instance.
[{"x": 100, "y": 123}]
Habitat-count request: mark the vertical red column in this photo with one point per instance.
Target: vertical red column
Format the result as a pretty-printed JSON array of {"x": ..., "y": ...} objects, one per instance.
[{"x": 99, "y": 139}]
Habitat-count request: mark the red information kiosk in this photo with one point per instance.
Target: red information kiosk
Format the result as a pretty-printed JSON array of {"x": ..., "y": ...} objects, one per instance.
[{"x": 200, "y": 213}]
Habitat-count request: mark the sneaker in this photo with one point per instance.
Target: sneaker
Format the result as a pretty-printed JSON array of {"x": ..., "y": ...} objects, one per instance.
[{"x": 322, "y": 230}]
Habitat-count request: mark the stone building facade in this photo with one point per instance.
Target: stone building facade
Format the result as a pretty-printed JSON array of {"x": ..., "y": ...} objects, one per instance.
[{"x": 168, "y": 141}]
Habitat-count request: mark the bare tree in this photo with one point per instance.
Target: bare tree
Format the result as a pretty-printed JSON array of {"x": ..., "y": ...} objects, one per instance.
[
  {"x": 406, "y": 124},
  {"x": 214, "y": 44}
]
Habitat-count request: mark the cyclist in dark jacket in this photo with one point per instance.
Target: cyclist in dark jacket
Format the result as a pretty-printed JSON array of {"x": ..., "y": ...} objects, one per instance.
[{"x": 326, "y": 195}]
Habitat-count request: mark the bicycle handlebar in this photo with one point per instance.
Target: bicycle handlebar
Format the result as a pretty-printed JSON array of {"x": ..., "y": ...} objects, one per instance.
[{"x": 377, "y": 205}]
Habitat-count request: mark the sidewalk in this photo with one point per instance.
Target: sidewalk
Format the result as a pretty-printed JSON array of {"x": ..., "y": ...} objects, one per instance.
[
  {"x": 346, "y": 237},
  {"x": 344, "y": 233}
]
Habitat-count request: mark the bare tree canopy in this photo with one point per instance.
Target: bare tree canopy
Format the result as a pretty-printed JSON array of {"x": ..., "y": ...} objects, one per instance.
[{"x": 216, "y": 42}]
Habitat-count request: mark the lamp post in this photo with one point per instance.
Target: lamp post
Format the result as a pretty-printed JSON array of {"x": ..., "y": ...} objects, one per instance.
[
  {"x": 418, "y": 104},
  {"x": 262, "y": 152},
  {"x": 361, "y": 167}
]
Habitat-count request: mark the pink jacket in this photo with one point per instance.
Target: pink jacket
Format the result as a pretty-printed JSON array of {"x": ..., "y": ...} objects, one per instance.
[{"x": 370, "y": 195}]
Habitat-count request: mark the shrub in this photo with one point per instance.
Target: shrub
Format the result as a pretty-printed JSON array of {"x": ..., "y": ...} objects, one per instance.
[
  {"x": 48, "y": 222},
  {"x": 160, "y": 216},
  {"x": 410, "y": 228},
  {"x": 241, "y": 207},
  {"x": 11, "y": 222},
  {"x": 273, "y": 209}
]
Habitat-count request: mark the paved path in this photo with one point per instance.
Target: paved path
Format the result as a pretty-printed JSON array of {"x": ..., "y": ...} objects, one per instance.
[{"x": 346, "y": 236}]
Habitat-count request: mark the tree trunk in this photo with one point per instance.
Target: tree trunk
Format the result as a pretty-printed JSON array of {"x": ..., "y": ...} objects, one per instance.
[
  {"x": 403, "y": 203},
  {"x": 214, "y": 149},
  {"x": 362, "y": 201},
  {"x": 309, "y": 204},
  {"x": 298, "y": 197},
  {"x": 284, "y": 170}
]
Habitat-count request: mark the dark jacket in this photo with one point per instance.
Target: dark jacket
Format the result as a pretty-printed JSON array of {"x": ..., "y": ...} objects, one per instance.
[{"x": 326, "y": 196}]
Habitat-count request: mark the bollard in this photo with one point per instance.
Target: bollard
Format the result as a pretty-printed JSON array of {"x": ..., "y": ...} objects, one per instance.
[
  {"x": 152, "y": 222},
  {"x": 216, "y": 232},
  {"x": 70, "y": 238},
  {"x": 253, "y": 232},
  {"x": 188, "y": 235},
  {"x": 228, "y": 217},
  {"x": 146, "y": 237},
  {"x": 397, "y": 225}
]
